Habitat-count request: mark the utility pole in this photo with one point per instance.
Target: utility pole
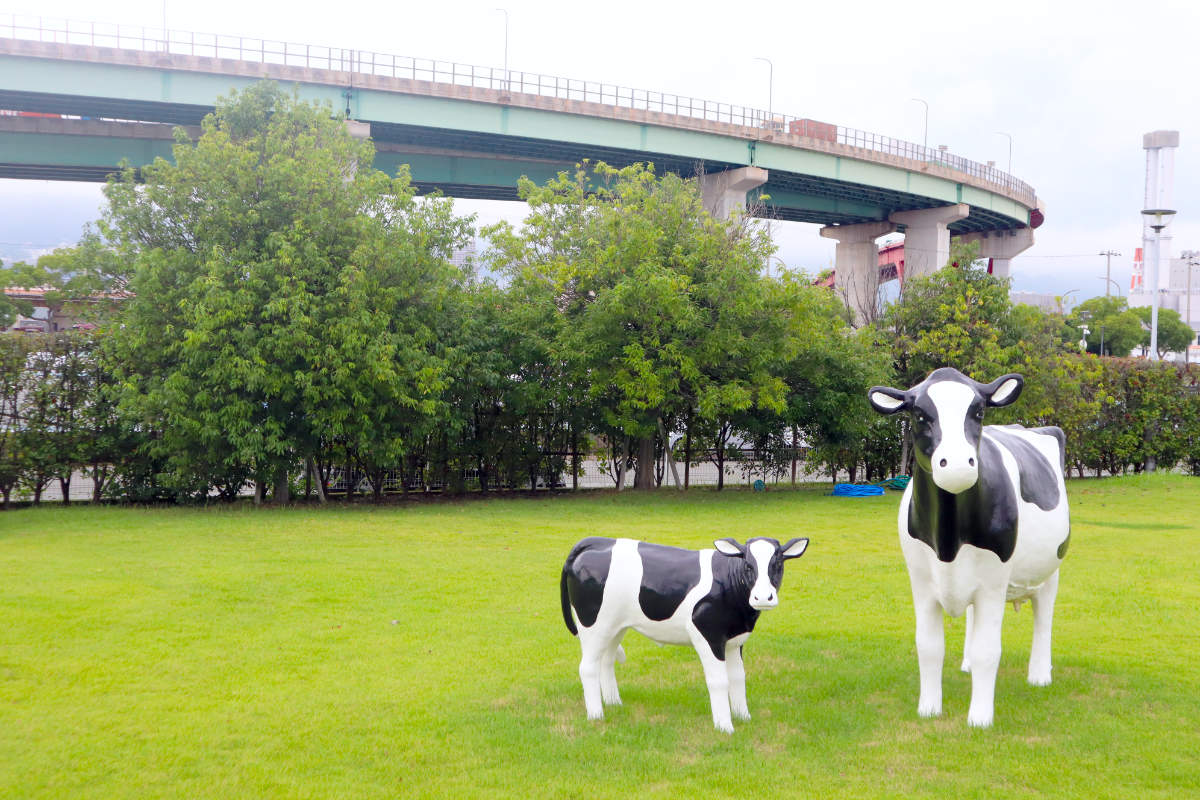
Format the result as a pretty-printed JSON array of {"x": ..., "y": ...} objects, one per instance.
[
  {"x": 1108, "y": 269},
  {"x": 1192, "y": 258}
]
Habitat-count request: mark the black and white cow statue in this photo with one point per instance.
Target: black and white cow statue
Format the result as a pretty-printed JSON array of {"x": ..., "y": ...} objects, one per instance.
[
  {"x": 983, "y": 521},
  {"x": 709, "y": 599}
]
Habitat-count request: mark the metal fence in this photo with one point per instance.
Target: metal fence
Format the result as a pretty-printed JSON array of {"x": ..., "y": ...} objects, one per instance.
[{"x": 364, "y": 62}]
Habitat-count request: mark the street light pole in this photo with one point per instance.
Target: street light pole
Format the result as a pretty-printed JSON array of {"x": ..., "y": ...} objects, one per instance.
[
  {"x": 1156, "y": 219},
  {"x": 504, "y": 11},
  {"x": 925, "y": 140},
  {"x": 770, "y": 91},
  {"x": 1193, "y": 258},
  {"x": 1009, "y": 136},
  {"x": 1108, "y": 269}
]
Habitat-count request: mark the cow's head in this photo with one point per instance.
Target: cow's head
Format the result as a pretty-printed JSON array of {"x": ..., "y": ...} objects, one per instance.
[
  {"x": 764, "y": 565},
  {"x": 947, "y": 421}
]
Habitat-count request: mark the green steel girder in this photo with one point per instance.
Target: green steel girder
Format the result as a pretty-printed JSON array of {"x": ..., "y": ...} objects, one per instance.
[{"x": 481, "y": 148}]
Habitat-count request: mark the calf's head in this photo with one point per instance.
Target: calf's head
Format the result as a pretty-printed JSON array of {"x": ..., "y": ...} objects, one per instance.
[
  {"x": 947, "y": 421},
  {"x": 763, "y": 564}
]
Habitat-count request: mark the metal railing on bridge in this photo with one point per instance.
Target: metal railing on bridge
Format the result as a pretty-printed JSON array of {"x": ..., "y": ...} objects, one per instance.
[{"x": 364, "y": 62}]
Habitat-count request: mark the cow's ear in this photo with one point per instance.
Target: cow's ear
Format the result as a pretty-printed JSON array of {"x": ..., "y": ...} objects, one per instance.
[
  {"x": 794, "y": 549},
  {"x": 729, "y": 547},
  {"x": 887, "y": 400},
  {"x": 1004, "y": 390}
]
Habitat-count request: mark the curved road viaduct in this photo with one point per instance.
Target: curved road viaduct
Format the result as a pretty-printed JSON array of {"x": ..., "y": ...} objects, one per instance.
[{"x": 472, "y": 133}]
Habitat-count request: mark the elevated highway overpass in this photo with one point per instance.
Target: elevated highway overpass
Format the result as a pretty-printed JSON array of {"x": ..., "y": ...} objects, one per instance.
[{"x": 116, "y": 92}]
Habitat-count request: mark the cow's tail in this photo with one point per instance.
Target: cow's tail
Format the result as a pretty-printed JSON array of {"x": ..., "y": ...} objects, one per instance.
[{"x": 566, "y": 597}]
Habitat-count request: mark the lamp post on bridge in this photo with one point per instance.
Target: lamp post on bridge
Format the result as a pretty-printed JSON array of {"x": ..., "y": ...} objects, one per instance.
[
  {"x": 507, "y": 86},
  {"x": 925, "y": 139},
  {"x": 1009, "y": 137},
  {"x": 770, "y": 92}
]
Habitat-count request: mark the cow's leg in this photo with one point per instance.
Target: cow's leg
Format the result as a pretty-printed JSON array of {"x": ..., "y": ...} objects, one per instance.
[
  {"x": 736, "y": 669},
  {"x": 608, "y": 672},
  {"x": 716, "y": 675},
  {"x": 931, "y": 651},
  {"x": 985, "y": 657},
  {"x": 966, "y": 662},
  {"x": 1043, "y": 621},
  {"x": 593, "y": 646}
]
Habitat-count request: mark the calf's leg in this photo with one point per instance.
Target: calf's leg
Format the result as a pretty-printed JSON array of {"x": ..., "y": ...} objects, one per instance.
[
  {"x": 716, "y": 675},
  {"x": 1043, "y": 620},
  {"x": 736, "y": 670}
]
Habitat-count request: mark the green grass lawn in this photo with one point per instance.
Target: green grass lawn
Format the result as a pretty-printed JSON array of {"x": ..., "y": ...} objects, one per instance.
[{"x": 419, "y": 651}]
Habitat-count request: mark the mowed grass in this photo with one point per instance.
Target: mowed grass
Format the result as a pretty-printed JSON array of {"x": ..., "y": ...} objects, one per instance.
[{"x": 419, "y": 651}]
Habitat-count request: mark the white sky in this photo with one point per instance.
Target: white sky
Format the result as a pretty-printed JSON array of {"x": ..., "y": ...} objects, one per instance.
[{"x": 1075, "y": 84}]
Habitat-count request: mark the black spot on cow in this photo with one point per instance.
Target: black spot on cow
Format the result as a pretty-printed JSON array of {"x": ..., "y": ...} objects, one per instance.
[
  {"x": 984, "y": 515},
  {"x": 668, "y": 574},
  {"x": 1062, "y": 548},
  {"x": 1036, "y": 476},
  {"x": 725, "y": 612},
  {"x": 583, "y": 578}
]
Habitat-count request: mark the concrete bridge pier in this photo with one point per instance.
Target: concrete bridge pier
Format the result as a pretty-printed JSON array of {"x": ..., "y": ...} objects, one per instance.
[
  {"x": 926, "y": 237},
  {"x": 1001, "y": 247},
  {"x": 856, "y": 265},
  {"x": 725, "y": 192}
]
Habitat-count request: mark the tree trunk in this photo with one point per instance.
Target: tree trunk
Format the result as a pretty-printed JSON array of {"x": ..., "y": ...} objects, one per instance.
[
  {"x": 574, "y": 459},
  {"x": 312, "y": 470},
  {"x": 260, "y": 489},
  {"x": 687, "y": 450},
  {"x": 64, "y": 485},
  {"x": 720, "y": 464},
  {"x": 795, "y": 436},
  {"x": 669, "y": 455},
  {"x": 99, "y": 477},
  {"x": 621, "y": 464},
  {"x": 643, "y": 479},
  {"x": 282, "y": 493}
]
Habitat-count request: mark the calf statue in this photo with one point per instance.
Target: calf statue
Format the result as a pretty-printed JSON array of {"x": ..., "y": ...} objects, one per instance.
[
  {"x": 709, "y": 599},
  {"x": 984, "y": 520}
]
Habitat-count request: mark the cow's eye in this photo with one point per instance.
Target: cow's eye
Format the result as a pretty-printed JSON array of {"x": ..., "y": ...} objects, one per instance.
[{"x": 921, "y": 417}]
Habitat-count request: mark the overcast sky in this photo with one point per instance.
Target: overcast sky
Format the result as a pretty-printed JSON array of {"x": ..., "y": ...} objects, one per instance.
[{"x": 1076, "y": 85}]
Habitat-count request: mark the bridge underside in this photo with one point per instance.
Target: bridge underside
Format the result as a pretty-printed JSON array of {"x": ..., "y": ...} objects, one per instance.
[{"x": 459, "y": 163}]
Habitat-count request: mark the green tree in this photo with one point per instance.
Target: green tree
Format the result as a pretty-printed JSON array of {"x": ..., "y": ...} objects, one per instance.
[
  {"x": 954, "y": 317},
  {"x": 14, "y": 355},
  {"x": 664, "y": 311},
  {"x": 1174, "y": 335},
  {"x": 283, "y": 293},
  {"x": 1109, "y": 321}
]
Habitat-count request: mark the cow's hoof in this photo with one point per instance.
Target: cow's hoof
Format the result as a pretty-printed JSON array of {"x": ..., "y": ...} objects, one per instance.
[
  {"x": 1039, "y": 679},
  {"x": 613, "y": 699},
  {"x": 724, "y": 727},
  {"x": 741, "y": 713},
  {"x": 929, "y": 710},
  {"x": 979, "y": 720},
  {"x": 966, "y": 666},
  {"x": 597, "y": 715}
]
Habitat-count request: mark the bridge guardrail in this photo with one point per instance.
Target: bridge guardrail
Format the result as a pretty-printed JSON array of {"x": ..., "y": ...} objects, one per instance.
[{"x": 265, "y": 51}]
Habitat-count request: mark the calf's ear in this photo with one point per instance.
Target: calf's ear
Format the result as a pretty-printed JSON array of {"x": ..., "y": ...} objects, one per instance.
[
  {"x": 729, "y": 547},
  {"x": 794, "y": 549},
  {"x": 887, "y": 400},
  {"x": 1004, "y": 390}
]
